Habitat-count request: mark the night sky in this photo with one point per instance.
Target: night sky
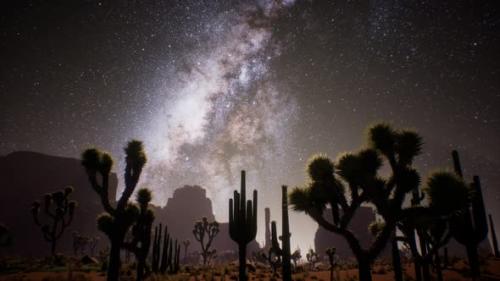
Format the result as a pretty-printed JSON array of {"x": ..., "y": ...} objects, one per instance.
[{"x": 213, "y": 87}]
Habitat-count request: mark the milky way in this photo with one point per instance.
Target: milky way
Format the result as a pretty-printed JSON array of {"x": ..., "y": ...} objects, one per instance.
[{"x": 223, "y": 114}]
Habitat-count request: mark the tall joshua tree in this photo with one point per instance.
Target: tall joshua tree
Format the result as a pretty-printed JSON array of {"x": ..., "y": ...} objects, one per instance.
[
  {"x": 116, "y": 221},
  {"x": 59, "y": 210},
  {"x": 141, "y": 232},
  {"x": 205, "y": 229},
  {"x": 242, "y": 223},
  {"x": 354, "y": 180}
]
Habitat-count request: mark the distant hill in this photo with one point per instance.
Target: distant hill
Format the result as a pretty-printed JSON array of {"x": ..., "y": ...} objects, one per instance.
[{"x": 26, "y": 177}]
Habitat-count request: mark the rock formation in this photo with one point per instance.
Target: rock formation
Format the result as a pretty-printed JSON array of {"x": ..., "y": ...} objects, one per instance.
[{"x": 26, "y": 177}]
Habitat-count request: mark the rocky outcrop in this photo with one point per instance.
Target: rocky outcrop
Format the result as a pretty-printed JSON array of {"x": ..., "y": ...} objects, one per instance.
[
  {"x": 26, "y": 177},
  {"x": 188, "y": 205}
]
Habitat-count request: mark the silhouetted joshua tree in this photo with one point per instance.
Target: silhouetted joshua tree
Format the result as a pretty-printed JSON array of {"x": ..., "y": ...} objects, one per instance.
[
  {"x": 141, "y": 232},
  {"x": 296, "y": 256},
  {"x": 242, "y": 223},
  {"x": 471, "y": 228},
  {"x": 448, "y": 197},
  {"x": 312, "y": 258},
  {"x": 117, "y": 220},
  {"x": 80, "y": 243},
  {"x": 330, "y": 253},
  {"x": 59, "y": 211},
  {"x": 206, "y": 230},
  {"x": 359, "y": 179}
]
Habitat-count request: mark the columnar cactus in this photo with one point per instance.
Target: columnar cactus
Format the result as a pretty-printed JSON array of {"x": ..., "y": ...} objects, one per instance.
[
  {"x": 494, "y": 241},
  {"x": 117, "y": 220},
  {"x": 267, "y": 219},
  {"x": 274, "y": 253},
  {"x": 471, "y": 228},
  {"x": 277, "y": 253},
  {"x": 242, "y": 223},
  {"x": 165, "y": 253},
  {"x": 205, "y": 229},
  {"x": 59, "y": 210},
  {"x": 285, "y": 235}
]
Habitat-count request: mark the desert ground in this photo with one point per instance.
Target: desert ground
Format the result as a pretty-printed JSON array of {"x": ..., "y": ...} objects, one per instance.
[{"x": 381, "y": 272}]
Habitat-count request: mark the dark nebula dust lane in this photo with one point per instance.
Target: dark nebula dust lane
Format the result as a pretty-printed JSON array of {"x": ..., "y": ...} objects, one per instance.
[{"x": 213, "y": 87}]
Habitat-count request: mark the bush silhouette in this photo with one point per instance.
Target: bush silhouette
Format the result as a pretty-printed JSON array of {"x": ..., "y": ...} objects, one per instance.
[
  {"x": 59, "y": 211},
  {"x": 116, "y": 221}
]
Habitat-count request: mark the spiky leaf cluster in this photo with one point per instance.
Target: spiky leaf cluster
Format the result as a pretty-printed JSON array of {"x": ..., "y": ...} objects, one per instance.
[{"x": 447, "y": 193}]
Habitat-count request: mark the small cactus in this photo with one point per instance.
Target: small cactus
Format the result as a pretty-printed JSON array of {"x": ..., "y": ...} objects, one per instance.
[{"x": 59, "y": 210}]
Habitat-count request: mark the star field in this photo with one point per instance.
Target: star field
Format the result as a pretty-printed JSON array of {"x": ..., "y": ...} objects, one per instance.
[{"x": 213, "y": 87}]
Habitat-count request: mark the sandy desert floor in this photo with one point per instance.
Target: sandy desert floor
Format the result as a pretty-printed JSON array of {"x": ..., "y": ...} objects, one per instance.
[{"x": 491, "y": 271}]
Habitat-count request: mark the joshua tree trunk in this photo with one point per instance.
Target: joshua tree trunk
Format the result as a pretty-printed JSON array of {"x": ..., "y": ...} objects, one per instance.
[
  {"x": 364, "y": 269},
  {"x": 53, "y": 248},
  {"x": 331, "y": 273},
  {"x": 439, "y": 271},
  {"x": 473, "y": 261},
  {"x": 396, "y": 261},
  {"x": 140, "y": 269},
  {"x": 243, "y": 262},
  {"x": 114, "y": 262}
]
